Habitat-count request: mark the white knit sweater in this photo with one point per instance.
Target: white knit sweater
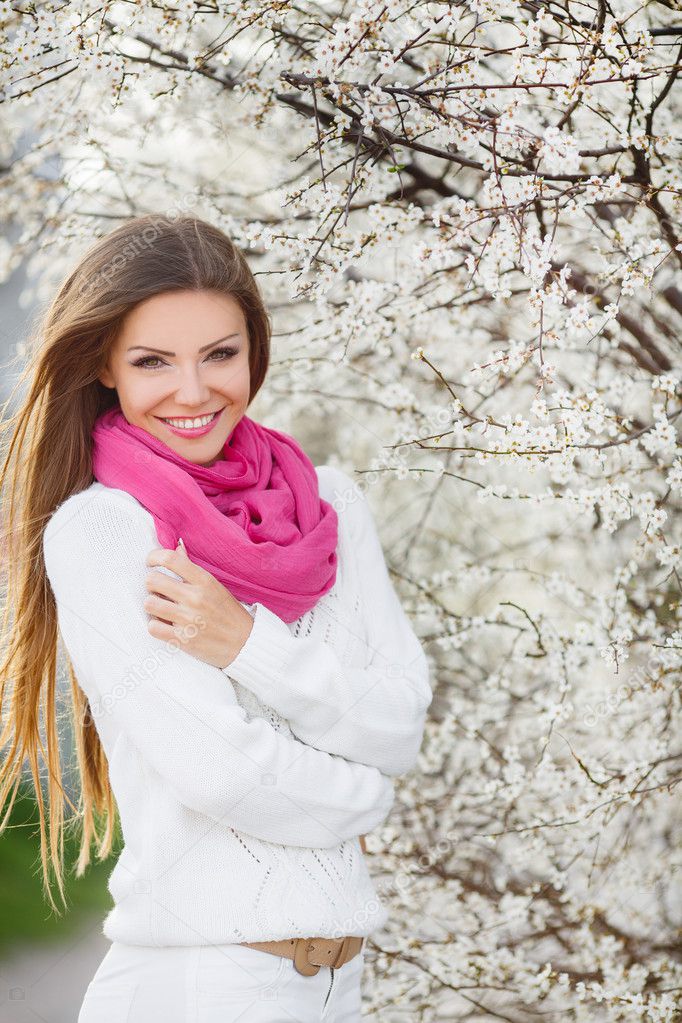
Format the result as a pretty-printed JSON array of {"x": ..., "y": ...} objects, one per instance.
[{"x": 241, "y": 791}]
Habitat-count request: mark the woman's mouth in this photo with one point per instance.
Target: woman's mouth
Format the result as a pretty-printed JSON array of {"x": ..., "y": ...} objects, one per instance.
[{"x": 195, "y": 426}]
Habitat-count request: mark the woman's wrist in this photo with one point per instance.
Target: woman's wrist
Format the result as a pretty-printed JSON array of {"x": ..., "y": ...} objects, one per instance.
[{"x": 239, "y": 636}]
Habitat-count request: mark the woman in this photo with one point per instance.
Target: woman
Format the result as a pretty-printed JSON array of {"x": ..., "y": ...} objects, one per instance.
[{"x": 245, "y": 681}]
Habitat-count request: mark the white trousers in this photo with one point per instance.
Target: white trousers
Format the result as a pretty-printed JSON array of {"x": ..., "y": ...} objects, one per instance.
[{"x": 217, "y": 984}]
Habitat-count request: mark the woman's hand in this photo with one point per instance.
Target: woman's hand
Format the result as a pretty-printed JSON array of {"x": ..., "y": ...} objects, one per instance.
[{"x": 196, "y": 610}]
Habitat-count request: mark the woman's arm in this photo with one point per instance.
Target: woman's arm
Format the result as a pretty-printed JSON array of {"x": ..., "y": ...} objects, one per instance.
[
  {"x": 176, "y": 709},
  {"x": 373, "y": 715}
]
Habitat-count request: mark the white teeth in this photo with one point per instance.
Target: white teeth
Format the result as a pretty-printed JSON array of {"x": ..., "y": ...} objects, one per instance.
[{"x": 189, "y": 424}]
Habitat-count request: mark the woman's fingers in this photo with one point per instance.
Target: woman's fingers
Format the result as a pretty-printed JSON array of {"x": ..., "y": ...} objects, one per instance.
[
  {"x": 177, "y": 561},
  {"x": 158, "y": 606},
  {"x": 159, "y": 582}
]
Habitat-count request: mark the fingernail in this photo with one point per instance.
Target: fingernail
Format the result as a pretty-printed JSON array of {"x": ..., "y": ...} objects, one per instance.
[{"x": 181, "y": 543}]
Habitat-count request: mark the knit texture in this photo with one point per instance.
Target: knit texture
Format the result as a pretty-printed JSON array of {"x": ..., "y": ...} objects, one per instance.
[{"x": 241, "y": 790}]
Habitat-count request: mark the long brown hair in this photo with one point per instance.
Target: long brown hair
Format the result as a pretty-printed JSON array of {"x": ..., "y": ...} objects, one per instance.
[{"x": 47, "y": 458}]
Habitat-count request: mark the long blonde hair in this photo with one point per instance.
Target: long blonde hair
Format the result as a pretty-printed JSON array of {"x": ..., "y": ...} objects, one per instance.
[{"x": 47, "y": 457}]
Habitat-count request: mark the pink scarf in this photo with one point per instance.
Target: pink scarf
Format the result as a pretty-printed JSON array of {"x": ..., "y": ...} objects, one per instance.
[{"x": 254, "y": 519}]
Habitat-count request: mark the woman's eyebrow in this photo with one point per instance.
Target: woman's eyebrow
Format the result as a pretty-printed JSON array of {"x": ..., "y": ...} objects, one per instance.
[{"x": 159, "y": 351}]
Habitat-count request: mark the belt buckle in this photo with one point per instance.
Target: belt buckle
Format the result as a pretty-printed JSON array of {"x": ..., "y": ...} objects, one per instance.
[{"x": 301, "y": 958}]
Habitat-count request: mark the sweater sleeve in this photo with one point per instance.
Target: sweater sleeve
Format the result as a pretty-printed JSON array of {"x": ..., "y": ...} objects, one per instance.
[
  {"x": 373, "y": 715},
  {"x": 175, "y": 708}
]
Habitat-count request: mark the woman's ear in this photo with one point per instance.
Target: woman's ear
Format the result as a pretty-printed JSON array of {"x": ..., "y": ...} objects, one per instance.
[{"x": 106, "y": 378}]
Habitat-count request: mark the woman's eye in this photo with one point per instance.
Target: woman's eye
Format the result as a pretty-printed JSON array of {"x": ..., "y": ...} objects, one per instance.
[
  {"x": 226, "y": 352},
  {"x": 144, "y": 363}
]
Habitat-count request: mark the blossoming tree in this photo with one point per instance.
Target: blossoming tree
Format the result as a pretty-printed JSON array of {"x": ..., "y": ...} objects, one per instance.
[{"x": 465, "y": 219}]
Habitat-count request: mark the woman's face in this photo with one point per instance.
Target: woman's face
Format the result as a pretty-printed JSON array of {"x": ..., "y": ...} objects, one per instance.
[{"x": 159, "y": 370}]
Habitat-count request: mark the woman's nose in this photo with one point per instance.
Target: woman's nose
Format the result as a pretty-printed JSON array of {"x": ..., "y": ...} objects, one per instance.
[{"x": 192, "y": 391}]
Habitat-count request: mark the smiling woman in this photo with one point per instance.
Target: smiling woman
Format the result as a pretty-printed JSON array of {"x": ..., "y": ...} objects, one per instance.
[
  {"x": 192, "y": 391},
  {"x": 244, "y": 698}
]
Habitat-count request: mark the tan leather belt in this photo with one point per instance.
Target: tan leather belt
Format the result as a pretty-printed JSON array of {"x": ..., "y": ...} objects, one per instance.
[{"x": 311, "y": 953}]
